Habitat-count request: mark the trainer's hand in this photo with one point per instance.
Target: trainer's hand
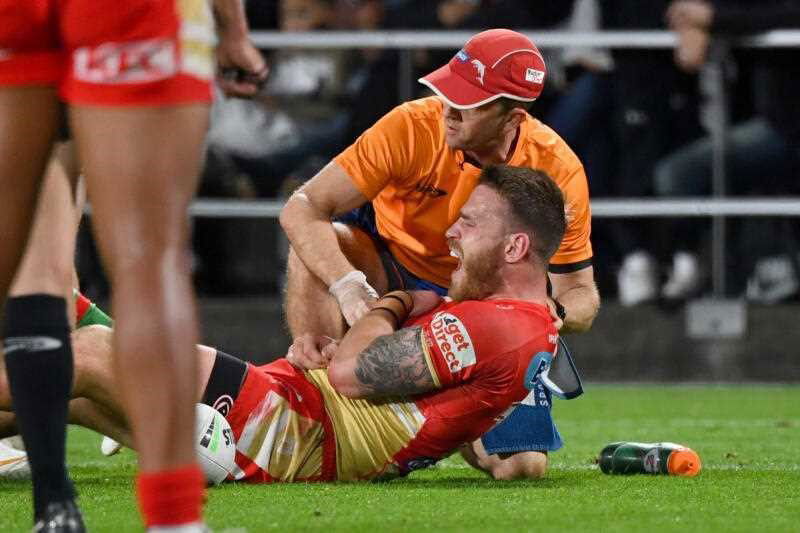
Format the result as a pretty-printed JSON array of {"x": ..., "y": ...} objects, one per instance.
[
  {"x": 241, "y": 67},
  {"x": 424, "y": 301},
  {"x": 309, "y": 352},
  {"x": 354, "y": 295}
]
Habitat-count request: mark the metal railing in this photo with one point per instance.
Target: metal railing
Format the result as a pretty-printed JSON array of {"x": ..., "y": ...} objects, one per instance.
[{"x": 715, "y": 206}]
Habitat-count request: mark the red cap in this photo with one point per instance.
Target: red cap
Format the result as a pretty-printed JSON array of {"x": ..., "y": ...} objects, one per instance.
[{"x": 493, "y": 64}]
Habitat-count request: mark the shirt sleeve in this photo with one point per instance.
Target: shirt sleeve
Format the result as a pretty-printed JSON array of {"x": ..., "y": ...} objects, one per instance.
[
  {"x": 381, "y": 154},
  {"x": 576, "y": 247}
]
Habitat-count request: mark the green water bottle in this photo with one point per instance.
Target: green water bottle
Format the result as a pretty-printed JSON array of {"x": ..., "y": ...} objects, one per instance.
[{"x": 649, "y": 458}]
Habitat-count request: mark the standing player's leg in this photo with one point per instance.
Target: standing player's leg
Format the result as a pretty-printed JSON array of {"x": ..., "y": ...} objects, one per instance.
[
  {"x": 141, "y": 167},
  {"x": 36, "y": 329}
]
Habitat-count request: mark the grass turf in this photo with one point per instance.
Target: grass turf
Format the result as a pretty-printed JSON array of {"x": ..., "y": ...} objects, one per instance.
[{"x": 748, "y": 438}]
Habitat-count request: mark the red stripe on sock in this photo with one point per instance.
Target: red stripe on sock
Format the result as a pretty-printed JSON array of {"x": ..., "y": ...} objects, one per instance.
[
  {"x": 171, "y": 497},
  {"x": 82, "y": 305}
]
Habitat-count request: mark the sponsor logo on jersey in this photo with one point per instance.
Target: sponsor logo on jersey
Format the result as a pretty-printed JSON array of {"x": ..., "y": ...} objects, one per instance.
[
  {"x": 223, "y": 404},
  {"x": 534, "y": 76},
  {"x": 30, "y": 344},
  {"x": 652, "y": 461},
  {"x": 143, "y": 61},
  {"x": 450, "y": 335}
]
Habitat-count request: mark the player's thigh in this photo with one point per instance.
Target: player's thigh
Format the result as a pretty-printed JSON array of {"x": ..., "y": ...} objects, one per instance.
[
  {"x": 47, "y": 265},
  {"x": 28, "y": 117},
  {"x": 360, "y": 250},
  {"x": 141, "y": 167}
]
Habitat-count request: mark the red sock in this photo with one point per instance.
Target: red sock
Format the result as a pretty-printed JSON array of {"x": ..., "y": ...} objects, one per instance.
[
  {"x": 82, "y": 305},
  {"x": 171, "y": 497}
]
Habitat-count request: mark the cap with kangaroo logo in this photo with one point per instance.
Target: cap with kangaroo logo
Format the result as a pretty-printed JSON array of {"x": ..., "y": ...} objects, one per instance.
[{"x": 493, "y": 64}]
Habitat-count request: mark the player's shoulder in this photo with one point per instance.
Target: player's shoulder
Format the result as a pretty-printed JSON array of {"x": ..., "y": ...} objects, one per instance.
[{"x": 512, "y": 321}]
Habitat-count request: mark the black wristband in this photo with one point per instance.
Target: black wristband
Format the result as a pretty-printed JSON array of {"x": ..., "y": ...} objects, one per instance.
[
  {"x": 392, "y": 312},
  {"x": 401, "y": 300},
  {"x": 560, "y": 311}
]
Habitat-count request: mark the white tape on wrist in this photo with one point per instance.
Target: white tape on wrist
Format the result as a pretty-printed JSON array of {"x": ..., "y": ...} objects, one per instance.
[{"x": 352, "y": 276}]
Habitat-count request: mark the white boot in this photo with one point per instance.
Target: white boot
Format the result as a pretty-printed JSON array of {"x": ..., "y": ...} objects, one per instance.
[
  {"x": 109, "y": 447},
  {"x": 13, "y": 463}
]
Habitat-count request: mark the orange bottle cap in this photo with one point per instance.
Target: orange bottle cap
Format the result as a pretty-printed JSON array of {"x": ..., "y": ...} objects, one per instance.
[{"x": 684, "y": 462}]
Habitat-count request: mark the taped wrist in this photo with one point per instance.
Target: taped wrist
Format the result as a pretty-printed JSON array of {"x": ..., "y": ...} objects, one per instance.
[{"x": 354, "y": 276}]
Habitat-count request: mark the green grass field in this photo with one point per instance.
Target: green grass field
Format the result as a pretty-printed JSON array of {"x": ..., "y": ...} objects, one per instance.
[{"x": 748, "y": 438}]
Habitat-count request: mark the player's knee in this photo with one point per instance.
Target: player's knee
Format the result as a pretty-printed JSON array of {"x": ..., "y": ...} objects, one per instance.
[
  {"x": 526, "y": 465},
  {"x": 91, "y": 348}
]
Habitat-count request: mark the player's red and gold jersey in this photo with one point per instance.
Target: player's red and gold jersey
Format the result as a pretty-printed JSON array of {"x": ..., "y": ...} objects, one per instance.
[
  {"x": 293, "y": 426},
  {"x": 418, "y": 184},
  {"x": 478, "y": 353}
]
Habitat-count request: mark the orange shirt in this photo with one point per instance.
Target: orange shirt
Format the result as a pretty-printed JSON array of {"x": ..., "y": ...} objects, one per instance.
[{"x": 418, "y": 184}]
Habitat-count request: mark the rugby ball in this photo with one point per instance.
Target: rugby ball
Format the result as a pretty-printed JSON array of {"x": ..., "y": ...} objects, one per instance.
[{"x": 214, "y": 443}]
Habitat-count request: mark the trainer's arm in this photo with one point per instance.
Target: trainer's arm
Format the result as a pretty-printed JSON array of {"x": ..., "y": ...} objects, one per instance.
[
  {"x": 577, "y": 292},
  {"x": 520, "y": 465},
  {"x": 306, "y": 219},
  {"x": 373, "y": 360}
]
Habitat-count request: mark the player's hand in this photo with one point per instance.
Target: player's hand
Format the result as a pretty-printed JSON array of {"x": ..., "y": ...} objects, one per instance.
[
  {"x": 354, "y": 295},
  {"x": 309, "y": 352},
  {"x": 242, "y": 69},
  {"x": 424, "y": 301},
  {"x": 696, "y": 13},
  {"x": 557, "y": 322}
]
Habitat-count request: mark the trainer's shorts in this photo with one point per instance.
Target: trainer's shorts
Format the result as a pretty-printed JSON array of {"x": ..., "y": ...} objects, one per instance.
[
  {"x": 109, "y": 52},
  {"x": 399, "y": 276},
  {"x": 278, "y": 419}
]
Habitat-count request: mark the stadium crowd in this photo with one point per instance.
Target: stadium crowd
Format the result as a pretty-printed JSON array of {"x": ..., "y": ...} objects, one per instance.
[{"x": 638, "y": 135}]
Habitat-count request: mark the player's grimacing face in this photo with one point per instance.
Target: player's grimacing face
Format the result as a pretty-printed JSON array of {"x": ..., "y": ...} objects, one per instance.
[
  {"x": 472, "y": 129},
  {"x": 477, "y": 240}
]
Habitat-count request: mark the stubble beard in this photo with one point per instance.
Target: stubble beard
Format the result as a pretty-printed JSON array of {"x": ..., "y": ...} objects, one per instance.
[{"x": 480, "y": 277}]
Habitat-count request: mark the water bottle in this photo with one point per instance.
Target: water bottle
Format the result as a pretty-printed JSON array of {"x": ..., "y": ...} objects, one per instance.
[{"x": 649, "y": 458}]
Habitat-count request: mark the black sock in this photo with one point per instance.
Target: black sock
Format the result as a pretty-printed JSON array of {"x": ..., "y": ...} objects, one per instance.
[{"x": 38, "y": 357}]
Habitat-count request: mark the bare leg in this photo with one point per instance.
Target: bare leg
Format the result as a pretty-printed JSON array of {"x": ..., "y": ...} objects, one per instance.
[
  {"x": 92, "y": 415},
  {"x": 8, "y": 425},
  {"x": 47, "y": 266},
  {"x": 28, "y": 118},
  {"x": 141, "y": 170},
  {"x": 97, "y": 403},
  {"x": 309, "y": 308}
]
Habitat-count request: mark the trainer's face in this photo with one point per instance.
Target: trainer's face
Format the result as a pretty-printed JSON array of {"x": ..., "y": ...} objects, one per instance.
[
  {"x": 477, "y": 239},
  {"x": 473, "y": 129}
]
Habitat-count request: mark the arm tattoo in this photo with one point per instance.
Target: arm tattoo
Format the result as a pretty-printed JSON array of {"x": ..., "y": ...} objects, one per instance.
[{"x": 395, "y": 365}]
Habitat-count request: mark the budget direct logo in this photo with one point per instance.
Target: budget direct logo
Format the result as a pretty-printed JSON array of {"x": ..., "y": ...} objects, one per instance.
[{"x": 450, "y": 335}]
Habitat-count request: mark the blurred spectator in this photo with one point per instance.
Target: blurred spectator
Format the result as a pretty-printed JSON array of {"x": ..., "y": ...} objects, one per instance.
[
  {"x": 621, "y": 114},
  {"x": 582, "y": 113},
  {"x": 302, "y": 112},
  {"x": 762, "y": 152}
]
